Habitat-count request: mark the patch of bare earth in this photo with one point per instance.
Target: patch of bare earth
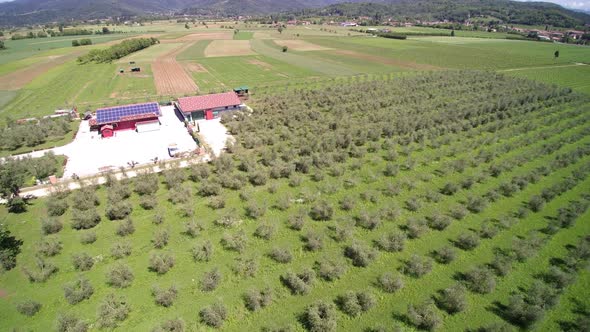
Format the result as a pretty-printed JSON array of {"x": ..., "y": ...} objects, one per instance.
[
  {"x": 18, "y": 79},
  {"x": 200, "y": 36},
  {"x": 196, "y": 67},
  {"x": 3, "y": 293},
  {"x": 261, "y": 64},
  {"x": 218, "y": 48},
  {"x": 170, "y": 77},
  {"x": 386, "y": 61}
]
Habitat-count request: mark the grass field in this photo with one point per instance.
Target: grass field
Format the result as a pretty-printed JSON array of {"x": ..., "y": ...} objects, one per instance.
[
  {"x": 573, "y": 76},
  {"x": 388, "y": 148},
  {"x": 244, "y": 35}
]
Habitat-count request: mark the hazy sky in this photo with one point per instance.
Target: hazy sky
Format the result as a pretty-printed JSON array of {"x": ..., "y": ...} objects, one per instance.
[{"x": 575, "y": 4}]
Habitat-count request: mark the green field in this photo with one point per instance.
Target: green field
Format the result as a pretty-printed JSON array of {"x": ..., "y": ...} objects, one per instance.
[
  {"x": 326, "y": 175},
  {"x": 573, "y": 76},
  {"x": 197, "y": 50},
  {"x": 243, "y": 35}
]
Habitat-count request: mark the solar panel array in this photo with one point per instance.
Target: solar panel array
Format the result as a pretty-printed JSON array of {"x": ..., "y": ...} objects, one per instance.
[{"x": 114, "y": 114}]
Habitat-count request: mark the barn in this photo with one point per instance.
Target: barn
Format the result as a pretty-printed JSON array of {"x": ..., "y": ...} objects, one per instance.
[
  {"x": 207, "y": 106},
  {"x": 138, "y": 117}
]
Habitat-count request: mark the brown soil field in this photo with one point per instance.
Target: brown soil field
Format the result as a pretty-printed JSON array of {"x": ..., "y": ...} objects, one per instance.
[
  {"x": 201, "y": 36},
  {"x": 170, "y": 77},
  {"x": 219, "y": 48},
  {"x": 386, "y": 61},
  {"x": 300, "y": 45},
  {"x": 22, "y": 77},
  {"x": 261, "y": 64}
]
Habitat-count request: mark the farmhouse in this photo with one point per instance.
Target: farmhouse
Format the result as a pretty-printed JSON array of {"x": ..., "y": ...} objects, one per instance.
[
  {"x": 207, "y": 106},
  {"x": 139, "y": 117}
]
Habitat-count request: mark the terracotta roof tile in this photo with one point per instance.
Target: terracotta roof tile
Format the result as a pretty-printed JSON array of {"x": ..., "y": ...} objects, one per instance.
[{"x": 199, "y": 103}]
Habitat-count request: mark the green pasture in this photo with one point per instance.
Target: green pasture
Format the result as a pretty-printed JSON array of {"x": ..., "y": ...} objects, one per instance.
[
  {"x": 149, "y": 54},
  {"x": 244, "y": 35},
  {"x": 197, "y": 50},
  {"x": 470, "y": 54},
  {"x": 24, "y": 48},
  {"x": 576, "y": 77},
  {"x": 89, "y": 85},
  {"x": 228, "y": 72}
]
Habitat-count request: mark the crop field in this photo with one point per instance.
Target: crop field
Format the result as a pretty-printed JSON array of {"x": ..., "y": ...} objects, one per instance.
[
  {"x": 576, "y": 77},
  {"x": 416, "y": 202}
]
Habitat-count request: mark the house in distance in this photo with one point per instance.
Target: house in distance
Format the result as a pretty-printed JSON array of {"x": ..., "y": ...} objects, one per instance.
[
  {"x": 207, "y": 106},
  {"x": 139, "y": 117}
]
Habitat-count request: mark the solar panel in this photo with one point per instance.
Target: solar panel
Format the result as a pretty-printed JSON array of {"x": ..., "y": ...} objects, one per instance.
[{"x": 115, "y": 114}]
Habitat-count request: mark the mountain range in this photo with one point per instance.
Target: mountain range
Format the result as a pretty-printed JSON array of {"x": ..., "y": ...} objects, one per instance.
[{"x": 23, "y": 12}]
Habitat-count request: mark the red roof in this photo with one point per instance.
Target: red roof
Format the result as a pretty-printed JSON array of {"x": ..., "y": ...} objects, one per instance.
[
  {"x": 105, "y": 127},
  {"x": 207, "y": 102}
]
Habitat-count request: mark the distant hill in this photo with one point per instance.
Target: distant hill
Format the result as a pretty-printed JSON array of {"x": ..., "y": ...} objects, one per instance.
[
  {"x": 531, "y": 13},
  {"x": 21, "y": 12}
]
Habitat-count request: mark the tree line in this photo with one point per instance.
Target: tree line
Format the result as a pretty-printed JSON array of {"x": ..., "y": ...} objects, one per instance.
[{"x": 117, "y": 51}]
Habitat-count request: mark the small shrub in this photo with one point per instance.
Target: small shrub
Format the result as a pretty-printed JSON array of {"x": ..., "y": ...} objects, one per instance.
[
  {"x": 171, "y": 325},
  {"x": 82, "y": 261},
  {"x": 353, "y": 304},
  {"x": 161, "y": 263},
  {"x": 449, "y": 189},
  {"x": 360, "y": 255},
  {"x": 120, "y": 250},
  {"x": 120, "y": 276},
  {"x": 56, "y": 207},
  {"x": 320, "y": 317},
  {"x": 313, "y": 241},
  {"x": 49, "y": 247},
  {"x": 413, "y": 204},
  {"x": 246, "y": 267},
  {"x": 258, "y": 299},
  {"x": 255, "y": 210},
  {"x": 164, "y": 297},
  {"x": 467, "y": 241},
  {"x": 216, "y": 202},
  {"x": 521, "y": 313},
  {"x": 296, "y": 221},
  {"x": 42, "y": 271},
  {"x": 329, "y": 269},
  {"x": 236, "y": 242},
  {"x": 418, "y": 266},
  {"x": 390, "y": 282},
  {"x": 459, "y": 212},
  {"x": 321, "y": 211},
  {"x": 211, "y": 280},
  {"x": 281, "y": 255},
  {"x": 392, "y": 242},
  {"x": 347, "y": 203},
  {"x": 475, "y": 204},
  {"x": 214, "y": 315},
  {"x": 202, "y": 252},
  {"x": 192, "y": 229},
  {"x": 112, "y": 310},
  {"x": 367, "y": 221},
  {"x": 50, "y": 226},
  {"x": 424, "y": 316},
  {"x": 148, "y": 202},
  {"x": 452, "y": 299},
  {"x": 299, "y": 283},
  {"x": 160, "y": 239},
  {"x": 28, "y": 307},
  {"x": 126, "y": 227},
  {"x": 439, "y": 222},
  {"x": 265, "y": 231},
  {"x": 70, "y": 323},
  {"x": 118, "y": 210},
  {"x": 445, "y": 255},
  {"x": 78, "y": 291},
  {"x": 480, "y": 280},
  {"x": 536, "y": 203},
  {"x": 415, "y": 227},
  {"x": 502, "y": 263}
]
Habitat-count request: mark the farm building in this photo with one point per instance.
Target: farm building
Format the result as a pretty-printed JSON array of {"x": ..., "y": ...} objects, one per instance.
[
  {"x": 207, "y": 106},
  {"x": 139, "y": 117}
]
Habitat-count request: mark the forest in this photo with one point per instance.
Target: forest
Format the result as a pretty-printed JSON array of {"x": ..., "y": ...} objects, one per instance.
[{"x": 448, "y": 199}]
